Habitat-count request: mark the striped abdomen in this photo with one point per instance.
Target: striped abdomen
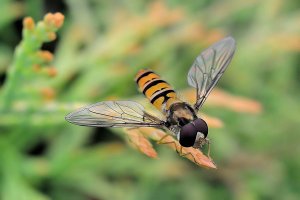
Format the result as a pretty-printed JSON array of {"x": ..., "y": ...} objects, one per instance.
[{"x": 159, "y": 92}]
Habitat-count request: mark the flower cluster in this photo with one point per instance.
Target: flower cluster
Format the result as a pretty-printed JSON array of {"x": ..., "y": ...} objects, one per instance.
[{"x": 29, "y": 59}]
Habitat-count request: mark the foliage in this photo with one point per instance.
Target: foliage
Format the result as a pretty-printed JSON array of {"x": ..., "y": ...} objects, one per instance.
[{"x": 97, "y": 52}]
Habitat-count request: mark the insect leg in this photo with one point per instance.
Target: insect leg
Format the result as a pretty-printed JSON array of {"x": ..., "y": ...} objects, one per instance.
[
  {"x": 185, "y": 155},
  {"x": 161, "y": 139},
  {"x": 178, "y": 150},
  {"x": 208, "y": 146},
  {"x": 170, "y": 142}
]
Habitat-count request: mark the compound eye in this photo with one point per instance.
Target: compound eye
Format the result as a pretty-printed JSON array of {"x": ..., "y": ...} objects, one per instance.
[
  {"x": 201, "y": 126},
  {"x": 187, "y": 135}
]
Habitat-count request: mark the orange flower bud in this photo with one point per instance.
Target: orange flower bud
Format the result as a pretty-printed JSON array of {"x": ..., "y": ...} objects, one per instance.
[
  {"x": 28, "y": 23},
  {"x": 48, "y": 93},
  {"x": 51, "y": 71},
  {"x": 55, "y": 20},
  {"x": 59, "y": 19},
  {"x": 46, "y": 55},
  {"x": 51, "y": 36},
  {"x": 48, "y": 18},
  {"x": 36, "y": 68}
]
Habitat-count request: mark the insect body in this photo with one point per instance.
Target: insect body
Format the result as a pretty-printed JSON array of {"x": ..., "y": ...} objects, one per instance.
[{"x": 181, "y": 118}]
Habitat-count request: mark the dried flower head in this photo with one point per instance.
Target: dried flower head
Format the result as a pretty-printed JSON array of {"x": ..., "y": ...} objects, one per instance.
[
  {"x": 162, "y": 137},
  {"x": 140, "y": 142}
]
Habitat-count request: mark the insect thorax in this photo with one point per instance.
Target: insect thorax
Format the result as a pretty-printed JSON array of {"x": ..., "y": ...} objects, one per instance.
[{"x": 180, "y": 114}]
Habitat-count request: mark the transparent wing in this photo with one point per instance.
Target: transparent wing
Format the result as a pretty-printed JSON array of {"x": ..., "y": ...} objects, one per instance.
[
  {"x": 114, "y": 114},
  {"x": 208, "y": 67}
]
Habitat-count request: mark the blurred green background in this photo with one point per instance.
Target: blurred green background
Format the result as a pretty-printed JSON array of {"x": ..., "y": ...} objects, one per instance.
[{"x": 100, "y": 47}]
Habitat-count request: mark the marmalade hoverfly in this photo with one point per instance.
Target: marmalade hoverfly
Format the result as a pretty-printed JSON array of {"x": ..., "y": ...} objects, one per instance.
[{"x": 181, "y": 118}]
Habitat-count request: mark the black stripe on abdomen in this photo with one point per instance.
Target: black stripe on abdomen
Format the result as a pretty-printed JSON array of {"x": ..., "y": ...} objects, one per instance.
[
  {"x": 163, "y": 93},
  {"x": 153, "y": 83},
  {"x": 144, "y": 75}
]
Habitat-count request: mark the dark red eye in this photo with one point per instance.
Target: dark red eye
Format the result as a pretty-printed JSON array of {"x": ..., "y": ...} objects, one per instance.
[
  {"x": 188, "y": 132},
  {"x": 201, "y": 126},
  {"x": 187, "y": 135}
]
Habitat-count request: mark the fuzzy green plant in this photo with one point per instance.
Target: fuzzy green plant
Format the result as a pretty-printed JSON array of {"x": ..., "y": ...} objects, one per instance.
[
  {"x": 29, "y": 58},
  {"x": 28, "y": 63}
]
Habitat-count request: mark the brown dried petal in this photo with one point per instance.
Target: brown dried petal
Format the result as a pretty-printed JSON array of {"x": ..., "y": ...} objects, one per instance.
[
  {"x": 195, "y": 155},
  {"x": 137, "y": 139},
  {"x": 221, "y": 98},
  {"x": 235, "y": 103},
  {"x": 212, "y": 121},
  {"x": 160, "y": 14}
]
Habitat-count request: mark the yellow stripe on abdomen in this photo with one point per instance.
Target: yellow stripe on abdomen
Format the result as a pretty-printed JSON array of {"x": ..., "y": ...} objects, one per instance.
[{"x": 159, "y": 92}]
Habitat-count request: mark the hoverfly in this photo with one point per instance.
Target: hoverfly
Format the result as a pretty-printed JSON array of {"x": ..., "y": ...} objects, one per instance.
[{"x": 181, "y": 121}]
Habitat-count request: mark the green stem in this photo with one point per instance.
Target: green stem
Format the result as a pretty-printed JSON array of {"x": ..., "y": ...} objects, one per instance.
[{"x": 11, "y": 84}]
